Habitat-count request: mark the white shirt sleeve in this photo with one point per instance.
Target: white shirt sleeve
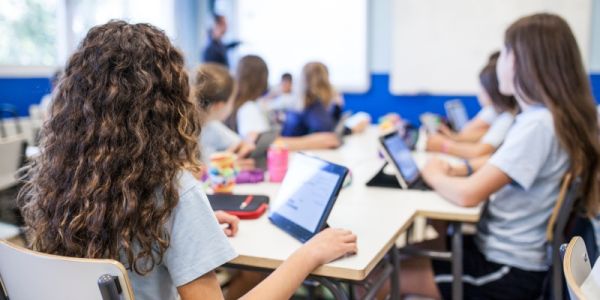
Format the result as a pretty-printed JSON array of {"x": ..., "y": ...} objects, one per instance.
[
  {"x": 487, "y": 114},
  {"x": 250, "y": 118},
  {"x": 197, "y": 243},
  {"x": 497, "y": 132},
  {"x": 524, "y": 152}
]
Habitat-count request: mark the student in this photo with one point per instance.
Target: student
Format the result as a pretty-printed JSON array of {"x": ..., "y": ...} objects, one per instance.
[
  {"x": 475, "y": 129},
  {"x": 540, "y": 64},
  {"x": 323, "y": 105},
  {"x": 213, "y": 91},
  {"x": 111, "y": 180},
  {"x": 505, "y": 107},
  {"x": 249, "y": 119},
  {"x": 282, "y": 99}
]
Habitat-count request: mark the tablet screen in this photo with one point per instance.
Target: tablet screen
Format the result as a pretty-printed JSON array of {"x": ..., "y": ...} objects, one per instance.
[
  {"x": 457, "y": 114},
  {"x": 402, "y": 157},
  {"x": 307, "y": 193}
]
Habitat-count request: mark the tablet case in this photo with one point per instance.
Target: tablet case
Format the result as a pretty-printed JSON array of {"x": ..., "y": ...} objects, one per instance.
[
  {"x": 381, "y": 179},
  {"x": 231, "y": 204}
]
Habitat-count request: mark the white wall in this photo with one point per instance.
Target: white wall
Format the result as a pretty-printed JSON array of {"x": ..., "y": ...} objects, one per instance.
[
  {"x": 595, "y": 51},
  {"x": 380, "y": 22}
]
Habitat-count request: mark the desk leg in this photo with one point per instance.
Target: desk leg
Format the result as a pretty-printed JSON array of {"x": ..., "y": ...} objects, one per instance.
[
  {"x": 334, "y": 288},
  {"x": 395, "y": 276},
  {"x": 457, "y": 261}
]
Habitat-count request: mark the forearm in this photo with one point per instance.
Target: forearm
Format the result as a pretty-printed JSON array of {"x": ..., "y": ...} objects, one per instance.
[
  {"x": 470, "y": 135},
  {"x": 285, "y": 280},
  {"x": 467, "y": 150},
  {"x": 457, "y": 190}
]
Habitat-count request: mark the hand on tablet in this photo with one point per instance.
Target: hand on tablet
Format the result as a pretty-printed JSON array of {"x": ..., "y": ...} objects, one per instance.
[
  {"x": 243, "y": 149},
  {"x": 331, "y": 244},
  {"x": 230, "y": 220}
]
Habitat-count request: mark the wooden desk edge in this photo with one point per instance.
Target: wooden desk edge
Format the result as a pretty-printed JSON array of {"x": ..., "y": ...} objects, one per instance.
[
  {"x": 457, "y": 217},
  {"x": 327, "y": 270}
]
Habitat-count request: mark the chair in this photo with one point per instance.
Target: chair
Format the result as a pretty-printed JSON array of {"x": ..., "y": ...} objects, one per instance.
[
  {"x": 555, "y": 231},
  {"x": 576, "y": 265},
  {"x": 26, "y": 274},
  {"x": 8, "y": 231},
  {"x": 10, "y": 160}
]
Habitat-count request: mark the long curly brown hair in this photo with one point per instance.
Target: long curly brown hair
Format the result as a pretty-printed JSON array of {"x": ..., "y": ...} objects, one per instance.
[{"x": 122, "y": 127}]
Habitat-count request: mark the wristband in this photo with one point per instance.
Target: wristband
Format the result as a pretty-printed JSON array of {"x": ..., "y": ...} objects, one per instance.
[{"x": 469, "y": 167}]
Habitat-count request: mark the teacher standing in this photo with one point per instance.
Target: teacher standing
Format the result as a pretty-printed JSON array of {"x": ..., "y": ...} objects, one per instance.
[{"x": 216, "y": 51}]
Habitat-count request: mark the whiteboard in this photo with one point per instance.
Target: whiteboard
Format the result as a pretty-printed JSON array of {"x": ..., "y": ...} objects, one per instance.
[
  {"x": 439, "y": 46},
  {"x": 288, "y": 34}
]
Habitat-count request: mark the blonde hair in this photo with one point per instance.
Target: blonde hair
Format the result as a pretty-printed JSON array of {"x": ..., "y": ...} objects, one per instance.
[{"x": 317, "y": 86}]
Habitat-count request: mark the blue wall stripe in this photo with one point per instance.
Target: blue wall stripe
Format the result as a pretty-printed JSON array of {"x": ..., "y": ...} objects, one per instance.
[{"x": 22, "y": 92}]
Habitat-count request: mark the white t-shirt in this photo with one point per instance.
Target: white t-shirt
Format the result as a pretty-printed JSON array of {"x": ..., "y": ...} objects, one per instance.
[
  {"x": 216, "y": 137},
  {"x": 488, "y": 114},
  {"x": 251, "y": 118},
  {"x": 512, "y": 228},
  {"x": 497, "y": 132},
  {"x": 197, "y": 246}
]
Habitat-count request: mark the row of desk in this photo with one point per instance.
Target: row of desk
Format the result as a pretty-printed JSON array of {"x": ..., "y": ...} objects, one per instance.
[{"x": 378, "y": 216}]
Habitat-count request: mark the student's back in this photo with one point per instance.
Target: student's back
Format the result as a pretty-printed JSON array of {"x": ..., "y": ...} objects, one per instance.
[
  {"x": 322, "y": 109},
  {"x": 112, "y": 179}
]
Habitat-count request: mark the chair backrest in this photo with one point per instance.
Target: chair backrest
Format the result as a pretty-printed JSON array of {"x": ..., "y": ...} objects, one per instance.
[
  {"x": 576, "y": 265},
  {"x": 10, "y": 160},
  {"x": 555, "y": 231},
  {"x": 26, "y": 274}
]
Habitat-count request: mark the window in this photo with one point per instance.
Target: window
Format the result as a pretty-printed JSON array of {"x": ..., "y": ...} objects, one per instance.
[
  {"x": 43, "y": 33},
  {"x": 28, "y": 30},
  {"x": 89, "y": 13}
]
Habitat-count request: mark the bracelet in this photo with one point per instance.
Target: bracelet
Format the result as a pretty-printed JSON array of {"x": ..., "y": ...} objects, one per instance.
[{"x": 469, "y": 167}]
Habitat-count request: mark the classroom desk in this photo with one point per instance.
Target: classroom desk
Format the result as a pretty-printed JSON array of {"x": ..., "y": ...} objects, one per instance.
[{"x": 378, "y": 216}]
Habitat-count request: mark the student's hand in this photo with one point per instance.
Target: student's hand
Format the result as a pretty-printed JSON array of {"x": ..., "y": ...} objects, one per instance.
[
  {"x": 231, "y": 220},
  {"x": 435, "y": 142},
  {"x": 446, "y": 131},
  {"x": 246, "y": 164},
  {"x": 434, "y": 167},
  {"x": 243, "y": 149},
  {"x": 361, "y": 126},
  {"x": 329, "y": 245}
]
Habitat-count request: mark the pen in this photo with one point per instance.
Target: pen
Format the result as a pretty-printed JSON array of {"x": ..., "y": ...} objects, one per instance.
[{"x": 246, "y": 202}]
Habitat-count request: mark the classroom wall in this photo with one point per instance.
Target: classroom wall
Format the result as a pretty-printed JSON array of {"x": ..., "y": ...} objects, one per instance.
[
  {"x": 378, "y": 100},
  {"x": 24, "y": 91}
]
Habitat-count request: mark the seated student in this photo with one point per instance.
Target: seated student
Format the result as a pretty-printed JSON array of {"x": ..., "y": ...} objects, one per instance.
[
  {"x": 505, "y": 106},
  {"x": 322, "y": 105},
  {"x": 111, "y": 181},
  {"x": 540, "y": 64},
  {"x": 213, "y": 91},
  {"x": 282, "y": 99},
  {"x": 249, "y": 119},
  {"x": 477, "y": 127}
]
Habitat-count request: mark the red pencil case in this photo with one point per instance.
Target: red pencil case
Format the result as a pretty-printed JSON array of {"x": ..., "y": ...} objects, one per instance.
[{"x": 255, "y": 206}]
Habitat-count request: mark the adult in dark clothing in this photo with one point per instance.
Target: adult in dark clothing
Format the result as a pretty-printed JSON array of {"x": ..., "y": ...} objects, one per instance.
[{"x": 216, "y": 51}]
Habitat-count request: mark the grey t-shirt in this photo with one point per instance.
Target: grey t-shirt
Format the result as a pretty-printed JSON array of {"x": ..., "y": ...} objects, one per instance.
[
  {"x": 512, "y": 229},
  {"x": 216, "y": 137},
  {"x": 498, "y": 130},
  {"x": 198, "y": 245}
]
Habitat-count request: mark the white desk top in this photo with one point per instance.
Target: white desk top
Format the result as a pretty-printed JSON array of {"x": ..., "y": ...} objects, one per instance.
[{"x": 376, "y": 215}]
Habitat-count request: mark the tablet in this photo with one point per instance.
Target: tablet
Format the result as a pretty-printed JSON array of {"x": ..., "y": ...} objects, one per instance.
[
  {"x": 263, "y": 142},
  {"x": 340, "y": 127},
  {"x": 400, "y": 157},
  {"x": 457, "y": 114},
  {"x": 306, "y": 196}
]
